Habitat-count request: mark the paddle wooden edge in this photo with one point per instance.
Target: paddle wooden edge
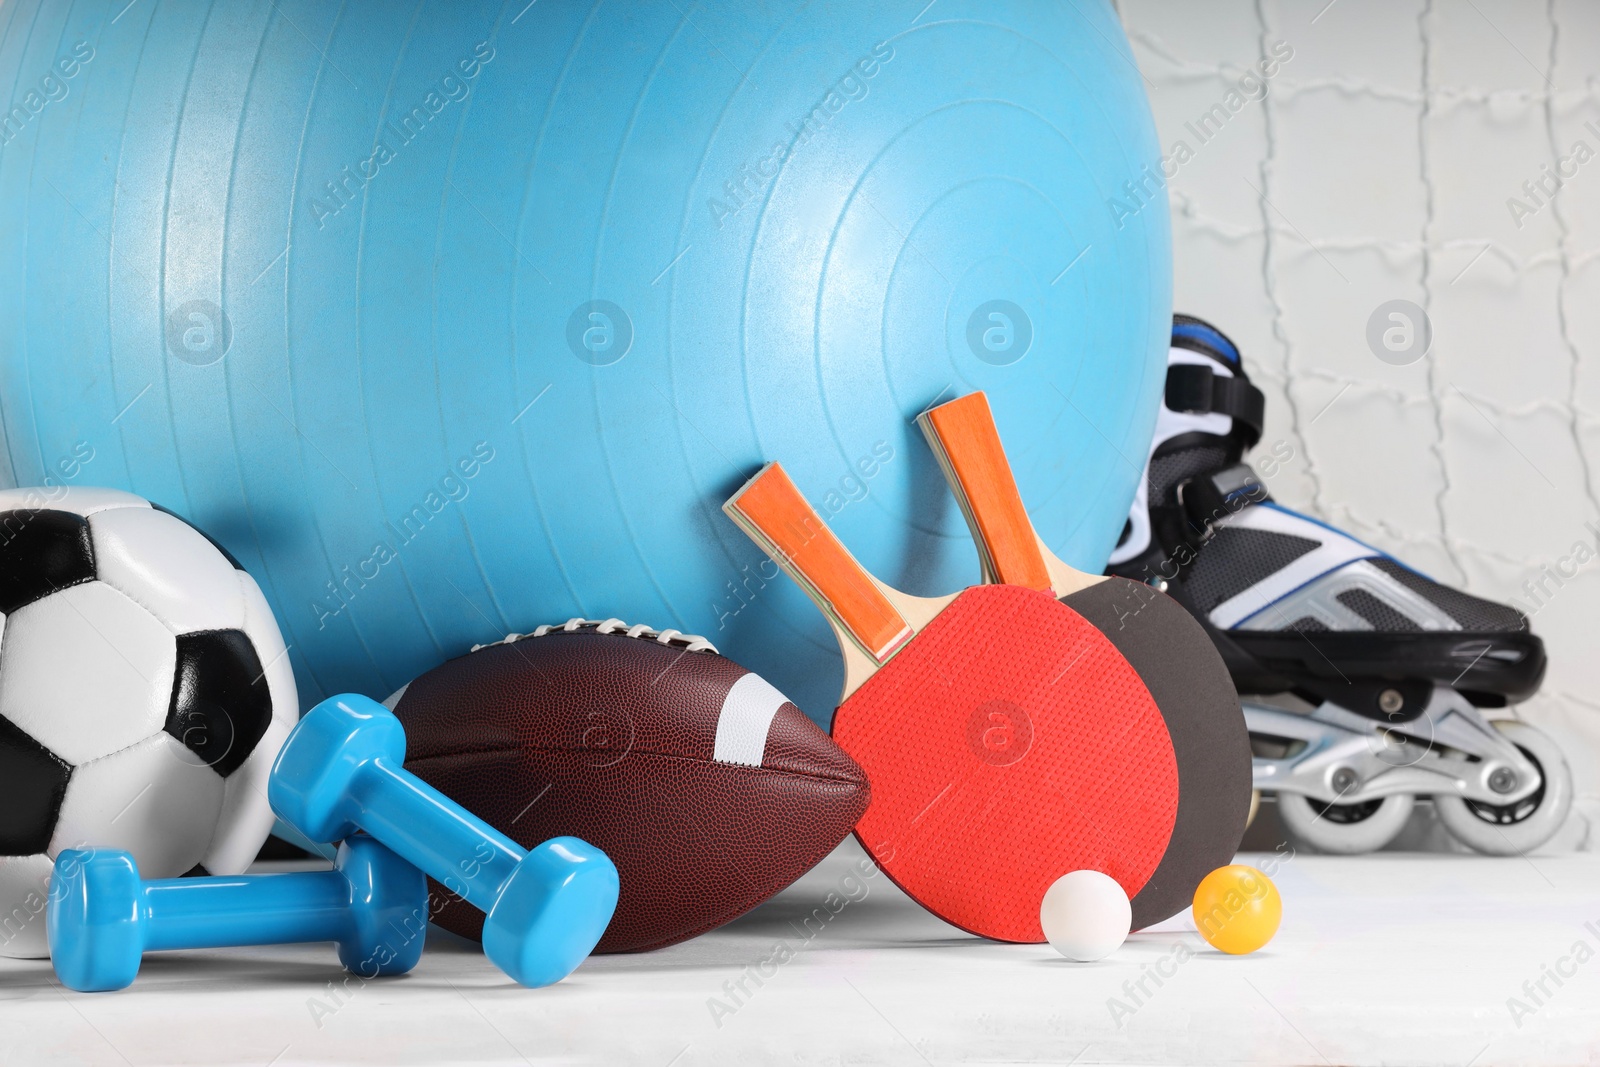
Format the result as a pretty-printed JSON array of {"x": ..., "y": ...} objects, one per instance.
[
  {"x": 966, "y": 443},
  {"x": 872, "y": 621}
]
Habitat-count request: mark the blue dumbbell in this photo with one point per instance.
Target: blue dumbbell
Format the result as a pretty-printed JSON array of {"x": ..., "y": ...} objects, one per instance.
[
  {"x": 101, "y": 917},
  {"x": 340, "y": 771}
]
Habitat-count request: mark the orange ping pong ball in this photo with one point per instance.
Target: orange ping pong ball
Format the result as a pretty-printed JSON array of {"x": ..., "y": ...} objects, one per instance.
[{"x": 1237, "y": 909}]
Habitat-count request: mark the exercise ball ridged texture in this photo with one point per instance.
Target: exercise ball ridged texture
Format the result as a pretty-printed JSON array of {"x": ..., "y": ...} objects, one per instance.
[{"x": 452, "y": 319}]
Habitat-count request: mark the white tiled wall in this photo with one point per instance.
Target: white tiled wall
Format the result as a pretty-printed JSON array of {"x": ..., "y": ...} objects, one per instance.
[{"x": 1378, "y": 166}]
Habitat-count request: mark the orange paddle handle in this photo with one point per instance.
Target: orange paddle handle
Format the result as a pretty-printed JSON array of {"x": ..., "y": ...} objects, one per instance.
[
  {"x": 771, "y": 510},
  {"x": 963, "y": 434}
]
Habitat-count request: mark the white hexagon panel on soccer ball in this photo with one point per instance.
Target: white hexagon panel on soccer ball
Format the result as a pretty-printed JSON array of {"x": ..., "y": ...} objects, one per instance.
[
  {"x": 261, "y": 626},
  {"x": 246, "y": 819},
  {"x": 24, "y": 883},
  {"x": 86, "y": 671},
  {"x": 156, "y": 799},
  {"x": 168, "y": 566}
]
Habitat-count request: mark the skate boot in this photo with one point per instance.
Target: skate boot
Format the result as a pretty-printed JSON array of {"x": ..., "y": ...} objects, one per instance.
[{"x": 1372, "y": 677}]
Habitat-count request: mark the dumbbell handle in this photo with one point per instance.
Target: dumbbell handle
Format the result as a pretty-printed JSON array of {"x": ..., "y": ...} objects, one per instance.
[
  {"x": 251, "y": 909},
  {"x": 409, "y": 815}
]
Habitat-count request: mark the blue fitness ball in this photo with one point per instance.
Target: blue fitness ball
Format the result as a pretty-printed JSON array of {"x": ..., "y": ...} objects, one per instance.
[{"x": 455, "y": 318}]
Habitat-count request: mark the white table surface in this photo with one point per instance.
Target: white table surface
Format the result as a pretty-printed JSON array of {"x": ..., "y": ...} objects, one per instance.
[{"x": 1393, "y": 958}]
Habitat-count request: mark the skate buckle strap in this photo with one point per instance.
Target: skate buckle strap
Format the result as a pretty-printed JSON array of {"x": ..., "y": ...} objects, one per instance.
[
  {"x": 1196, "y": 389},
  {"x": 1204, "y": 499}
]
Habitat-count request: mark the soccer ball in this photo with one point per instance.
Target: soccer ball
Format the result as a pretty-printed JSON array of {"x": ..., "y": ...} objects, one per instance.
[{"x": 144, "y": 693}]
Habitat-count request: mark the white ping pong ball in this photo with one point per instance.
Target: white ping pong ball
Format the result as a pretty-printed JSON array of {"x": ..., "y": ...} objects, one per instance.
[{"x": 1086, "y": 916}]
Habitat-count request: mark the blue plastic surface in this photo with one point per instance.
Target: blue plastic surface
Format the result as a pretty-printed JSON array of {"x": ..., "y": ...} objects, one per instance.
[
  {"x": 552, "y": 911},
  {"x": 340, "y": 771},
  {"x": 314, "y": 779},
  {"x": 102, "y": 918},
  {"x": 324, "y": 277}
]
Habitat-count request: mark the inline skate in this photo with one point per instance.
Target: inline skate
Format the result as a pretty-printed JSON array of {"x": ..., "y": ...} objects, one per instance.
[{"x": 1368, "y": 681}]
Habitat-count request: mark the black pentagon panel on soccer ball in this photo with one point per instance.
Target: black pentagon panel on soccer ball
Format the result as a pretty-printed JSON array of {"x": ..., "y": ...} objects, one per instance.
[
  {"x": 33, "y": 783},
  {"x": 41, "y": 552},
  {"x": 221, "y": 705},
  {"x": 214, "y": 542}
]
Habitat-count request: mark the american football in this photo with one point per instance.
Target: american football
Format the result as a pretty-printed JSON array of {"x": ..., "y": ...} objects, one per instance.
[{"x": 708, "y": 789}]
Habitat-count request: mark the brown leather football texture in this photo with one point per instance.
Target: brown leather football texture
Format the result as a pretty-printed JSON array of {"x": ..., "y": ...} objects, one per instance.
[{"x": 707, "y": 788}]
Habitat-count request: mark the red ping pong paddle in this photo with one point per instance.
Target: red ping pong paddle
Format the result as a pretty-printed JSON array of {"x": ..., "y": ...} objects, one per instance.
[
  {"x": 1006, "y": 740},
  {"x": 1173, "y": 655}
]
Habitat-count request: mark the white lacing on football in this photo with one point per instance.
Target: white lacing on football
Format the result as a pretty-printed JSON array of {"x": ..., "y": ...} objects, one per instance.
[{"x": 669, "y": 636}]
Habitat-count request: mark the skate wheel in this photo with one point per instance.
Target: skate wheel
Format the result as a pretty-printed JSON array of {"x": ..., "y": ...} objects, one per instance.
[
  {"x": 1513, "y": 829},
  {"x": 1255, "y": 807},
  {"x": 1344, "y": 829}
]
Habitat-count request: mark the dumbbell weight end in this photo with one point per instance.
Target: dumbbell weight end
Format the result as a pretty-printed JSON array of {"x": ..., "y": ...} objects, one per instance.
[{"x": 552, "y": 911}]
